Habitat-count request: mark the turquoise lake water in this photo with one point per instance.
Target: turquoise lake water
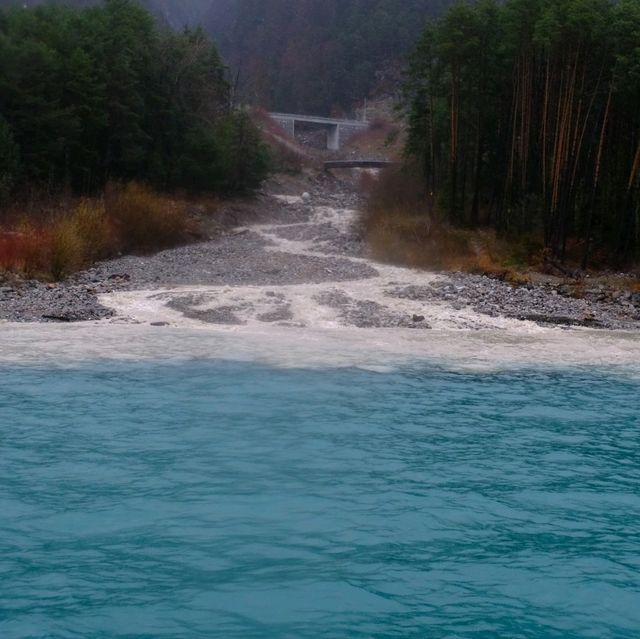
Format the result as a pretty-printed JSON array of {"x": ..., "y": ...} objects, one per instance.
[{"x": 217, "y": 499}]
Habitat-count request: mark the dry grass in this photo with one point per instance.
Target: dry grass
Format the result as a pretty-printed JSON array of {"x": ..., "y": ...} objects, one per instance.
[
  {"x": 92, "y": 225},
  {"x": 145, "y": 221},
  {"x": 403, "y": 227},
  {"x": 130, "y": 218},
  {"x": 67, "y": 250}
]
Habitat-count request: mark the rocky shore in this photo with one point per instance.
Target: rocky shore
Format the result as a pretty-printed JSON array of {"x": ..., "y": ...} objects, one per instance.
[
  {"x": 546, "y": 304},
  {"x": 284, "y": 239}
]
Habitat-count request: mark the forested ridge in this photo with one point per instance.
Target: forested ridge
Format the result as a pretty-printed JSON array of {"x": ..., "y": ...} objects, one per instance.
[
  {"x": 109, "y": 124},
  {"x": 92, "y": 95},
  {"x": 301, "y": 55},
  {"x": 174, "y": 13},
  {"x": 524, "y": 117},
  {"x": 315, "y": 55}
]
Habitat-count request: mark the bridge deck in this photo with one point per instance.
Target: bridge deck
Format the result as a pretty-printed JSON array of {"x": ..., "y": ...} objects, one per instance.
[{"x": 316, "y": 119}]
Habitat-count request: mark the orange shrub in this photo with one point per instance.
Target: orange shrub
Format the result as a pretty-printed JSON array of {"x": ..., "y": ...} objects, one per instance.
[
  {"x": 68, "y": 250},
  {"x": 92, "y": 225},
  {"x": 145, "y": 221},
  {"x": 71, "y": 235},
  {"x": 402, "y": 226}
]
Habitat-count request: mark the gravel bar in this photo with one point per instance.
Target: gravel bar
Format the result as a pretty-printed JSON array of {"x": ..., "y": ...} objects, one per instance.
[{"x": 242, "y": 256}]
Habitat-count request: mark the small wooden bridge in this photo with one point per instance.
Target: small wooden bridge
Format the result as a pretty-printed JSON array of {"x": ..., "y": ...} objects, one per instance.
[{"x": 357, "y": 164}]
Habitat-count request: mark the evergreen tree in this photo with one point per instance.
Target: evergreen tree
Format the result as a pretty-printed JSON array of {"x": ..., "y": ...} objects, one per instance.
[
  {"x": 9, "y": 161},
  {"x": 522, "y": 117},
  {"x": 92, "y": 95}
]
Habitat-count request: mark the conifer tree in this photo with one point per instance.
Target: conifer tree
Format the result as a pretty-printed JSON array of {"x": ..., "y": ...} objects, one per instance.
[{"x": 527, "y": 111}]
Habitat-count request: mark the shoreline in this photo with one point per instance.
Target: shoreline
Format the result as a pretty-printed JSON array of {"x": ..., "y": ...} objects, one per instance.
[
  {"x": 297, "y": 238},
  {"x": 382, "y": 351}
]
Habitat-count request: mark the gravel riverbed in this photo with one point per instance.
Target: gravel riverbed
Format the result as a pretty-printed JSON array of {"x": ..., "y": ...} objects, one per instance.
[{"x": 281, "y": 241}]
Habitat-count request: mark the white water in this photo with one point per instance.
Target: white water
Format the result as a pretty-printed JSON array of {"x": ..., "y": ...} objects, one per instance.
[
  {"x": 253, "y": 301},
  {"x": 377, "y": 349},
  {"x": 316, "y": 335}
]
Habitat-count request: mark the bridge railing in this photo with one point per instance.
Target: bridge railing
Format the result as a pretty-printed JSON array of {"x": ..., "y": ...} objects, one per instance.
[{"x": 319, "y": 119}]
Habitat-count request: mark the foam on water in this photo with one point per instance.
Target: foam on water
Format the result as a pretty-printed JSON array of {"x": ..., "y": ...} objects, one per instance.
[
  {"x": 288, "y": 199},
  {"x": 307, "y": 311},
  {"x": 315, "y": 335},
  {"x": 378, "y": 349},
  {"x": 153, "y": 489}
]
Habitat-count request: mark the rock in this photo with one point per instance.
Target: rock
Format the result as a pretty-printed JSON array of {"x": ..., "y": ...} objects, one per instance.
[
  {"x": 559, "y": 320},
  {"x": 565, "y": 290},
  {"x": 279, "y": 315},
  {"x": 159, "y": 324},
  {"x": 249, "y": 257},
  {"x": 59, "y": 318}
]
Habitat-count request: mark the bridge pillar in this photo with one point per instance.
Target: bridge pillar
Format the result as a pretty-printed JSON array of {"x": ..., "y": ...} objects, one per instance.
[
  {"x": 338, "y": 131},
  {"x": 333, "y": 138}
]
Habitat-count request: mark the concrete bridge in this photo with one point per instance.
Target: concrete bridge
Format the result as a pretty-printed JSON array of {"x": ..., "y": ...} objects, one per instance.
[{"x": 338, "y": 131}]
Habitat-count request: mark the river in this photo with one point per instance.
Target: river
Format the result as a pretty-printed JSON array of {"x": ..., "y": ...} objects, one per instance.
[{"x": 266, "y": 456}]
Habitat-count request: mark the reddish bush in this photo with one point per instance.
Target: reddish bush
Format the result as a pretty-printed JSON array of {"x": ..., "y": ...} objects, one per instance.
[
  {"x": 25, "y": 250},
  {"x": 129, "y": 218}
]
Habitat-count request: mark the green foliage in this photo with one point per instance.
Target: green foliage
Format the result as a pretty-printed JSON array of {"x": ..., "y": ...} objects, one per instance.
[
  {"x": 9, "y": 162},
  {"x": 229, "y": 157},
  {"x": 246, "y": 158},
  {"x": 102, "y": 93},
  {"x": 199, "y": 165},
  {"x": 303, "y": 55},
  {"x": 523, "y": 116}
]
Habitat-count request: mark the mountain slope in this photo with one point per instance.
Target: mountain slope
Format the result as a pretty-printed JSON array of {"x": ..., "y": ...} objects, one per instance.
[{"x": 315, "y": 55}]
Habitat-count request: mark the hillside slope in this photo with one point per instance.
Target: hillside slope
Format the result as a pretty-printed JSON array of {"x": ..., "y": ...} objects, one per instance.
[{"x": 317, "y": 56}]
